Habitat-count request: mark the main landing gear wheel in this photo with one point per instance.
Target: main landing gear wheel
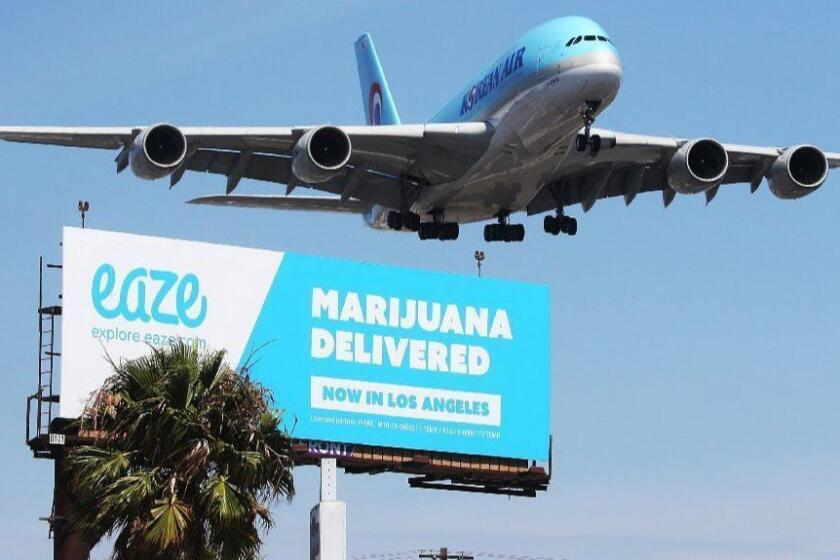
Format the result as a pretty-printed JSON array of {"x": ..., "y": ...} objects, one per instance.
[
  {"x": 395, "y": 221},
  {"x": 504, "y": 232},
  {"x": 443, "y": 231},
  {"x": 560, "y": 224},
  {"x": 411, "y": 221},
  {"x": 426, "y": 231},
  {"x": 400, "y": 220}
]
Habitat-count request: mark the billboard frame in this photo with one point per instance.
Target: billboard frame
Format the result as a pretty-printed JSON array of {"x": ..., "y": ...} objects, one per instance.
[
  {"x": 426, "y": 469},
  {"x": 433, "y": 469}
]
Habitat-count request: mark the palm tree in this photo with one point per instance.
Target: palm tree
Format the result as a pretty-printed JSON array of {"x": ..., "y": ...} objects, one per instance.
[{"x": 190, "y": 455}]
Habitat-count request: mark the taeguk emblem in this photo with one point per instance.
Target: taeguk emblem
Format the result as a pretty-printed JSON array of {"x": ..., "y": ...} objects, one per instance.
[{"x": 375, "y": 104}]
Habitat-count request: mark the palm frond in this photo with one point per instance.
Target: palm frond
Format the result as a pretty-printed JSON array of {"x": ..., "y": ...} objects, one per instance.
[
  {"x": 170, "y": 519},
  {"x": 136, "y": 488},
  {"x": 98, "y": 466},
  {"x": 222, "y": 501},
  {"x": 213, "y": 368},
  {"x": 194, "y": 454}
]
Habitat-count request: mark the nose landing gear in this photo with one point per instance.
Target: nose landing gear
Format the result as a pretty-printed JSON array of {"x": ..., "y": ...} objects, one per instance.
[{"x": 586, "y": 140}]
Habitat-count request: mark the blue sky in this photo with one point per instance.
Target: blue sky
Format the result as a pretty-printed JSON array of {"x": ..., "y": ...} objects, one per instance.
[{"x": 695, "y": 362}]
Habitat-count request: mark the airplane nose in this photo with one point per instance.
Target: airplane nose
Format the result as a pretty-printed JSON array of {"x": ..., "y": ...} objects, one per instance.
[{"x": 604, "y": 73}]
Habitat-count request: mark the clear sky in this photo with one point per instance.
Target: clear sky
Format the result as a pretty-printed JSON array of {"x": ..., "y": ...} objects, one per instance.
[{"x": 695, "y": 354}]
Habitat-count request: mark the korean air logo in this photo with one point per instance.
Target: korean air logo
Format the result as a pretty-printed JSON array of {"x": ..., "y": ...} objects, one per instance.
[
  {"x": 148, "y": 295},
  {"x": 375, "y": 104},
  {"x": 503, "y": 71},
  {"x": 471, "y": 97}
]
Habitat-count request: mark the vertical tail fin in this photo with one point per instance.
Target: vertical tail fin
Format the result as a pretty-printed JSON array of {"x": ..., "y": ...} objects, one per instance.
[{"x": 376, "y": 95}]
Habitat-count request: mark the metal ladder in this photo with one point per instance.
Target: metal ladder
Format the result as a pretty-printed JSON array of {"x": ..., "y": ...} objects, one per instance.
[{"x": 44, "y": 395}]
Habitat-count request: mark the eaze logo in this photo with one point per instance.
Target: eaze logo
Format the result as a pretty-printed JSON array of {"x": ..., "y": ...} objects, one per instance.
[
  {"x": 375, "y": 104},
  {"x": 147, "y": 295}
]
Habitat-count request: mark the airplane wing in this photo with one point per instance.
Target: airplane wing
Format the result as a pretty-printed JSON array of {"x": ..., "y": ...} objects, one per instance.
[
  {"x": 308, "y": 203},
  {"x": 629, "y": 164},
  {"x": 420, "y": 154},
  {"x": 356, "y": 182}
]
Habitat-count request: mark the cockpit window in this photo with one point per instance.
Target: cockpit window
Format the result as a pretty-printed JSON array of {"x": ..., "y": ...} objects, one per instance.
[{"x": 579, "y": 38}]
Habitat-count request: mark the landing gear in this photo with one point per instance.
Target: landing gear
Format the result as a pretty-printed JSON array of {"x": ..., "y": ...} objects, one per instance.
[
  {"x": 395, "y": 221},
  {"x": 504, "y": 231},
  {"x": 438, "y": 230},
  {"x": 400, "y": 220},
  {"x": 560, "y": 224},
  {"x": 586, "y": 140},
  {"x": 428, "y": 230},
  {"x": 593, "y": 144},
  {"x": 411, "y": 221}
]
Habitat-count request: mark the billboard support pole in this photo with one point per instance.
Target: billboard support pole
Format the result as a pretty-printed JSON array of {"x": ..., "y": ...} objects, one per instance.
[
  {"x": 328, "y": 519},
  {"x": 329, "y": 468}
]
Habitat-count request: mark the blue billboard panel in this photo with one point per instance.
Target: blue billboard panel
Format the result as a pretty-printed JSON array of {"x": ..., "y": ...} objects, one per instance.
[{"x": 387, "y": 356}]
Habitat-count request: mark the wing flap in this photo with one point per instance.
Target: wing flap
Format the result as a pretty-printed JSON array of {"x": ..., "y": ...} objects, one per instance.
[
  {"x": 305, "y": 203},
  {"x": 262, "y": 167},
  {"x": 363, "y": 184}
]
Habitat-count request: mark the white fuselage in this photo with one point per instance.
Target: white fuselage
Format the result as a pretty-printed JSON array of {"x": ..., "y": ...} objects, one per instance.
[{"x": 534, "y": 132}]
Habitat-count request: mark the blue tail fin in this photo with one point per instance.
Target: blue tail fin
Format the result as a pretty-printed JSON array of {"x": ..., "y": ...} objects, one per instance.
[{"x": 376, "y": 95}]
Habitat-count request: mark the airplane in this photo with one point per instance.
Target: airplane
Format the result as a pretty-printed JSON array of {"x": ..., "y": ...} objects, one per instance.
[{"x": 518, "y": 138}]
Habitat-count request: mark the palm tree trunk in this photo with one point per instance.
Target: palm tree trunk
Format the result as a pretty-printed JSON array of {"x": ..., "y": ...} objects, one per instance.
[{"x": 67, "y": 545}]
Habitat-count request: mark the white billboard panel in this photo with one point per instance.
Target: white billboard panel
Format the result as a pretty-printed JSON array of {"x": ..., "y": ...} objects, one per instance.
[{"x": 353, "y": 352}]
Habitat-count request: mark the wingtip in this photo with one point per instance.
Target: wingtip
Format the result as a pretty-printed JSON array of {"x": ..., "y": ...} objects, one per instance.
[{"x": 211, "y": 199}]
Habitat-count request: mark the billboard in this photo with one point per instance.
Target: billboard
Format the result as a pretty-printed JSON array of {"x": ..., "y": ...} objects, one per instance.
[{"x": 353, "y": 352}]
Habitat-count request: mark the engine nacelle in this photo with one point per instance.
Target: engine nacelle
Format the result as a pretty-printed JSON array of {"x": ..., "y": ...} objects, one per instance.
[
  {"x": 157, "y": 151},
  {"x": 320, "y": 154},
  {"x": 798, "y": 171},
  {"x": 697, "y": 166}
]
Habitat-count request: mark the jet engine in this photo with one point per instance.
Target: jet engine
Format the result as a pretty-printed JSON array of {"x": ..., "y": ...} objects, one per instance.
[
  {"x": 157, "y": 151},
  {"x": 798, "y": 171},
  {"x": 697, "y": 166},
  {"x": 320, "y": 154}
]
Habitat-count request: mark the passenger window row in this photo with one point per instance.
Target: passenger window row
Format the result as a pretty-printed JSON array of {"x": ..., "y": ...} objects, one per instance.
[{"x": 579, "y": 38}]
